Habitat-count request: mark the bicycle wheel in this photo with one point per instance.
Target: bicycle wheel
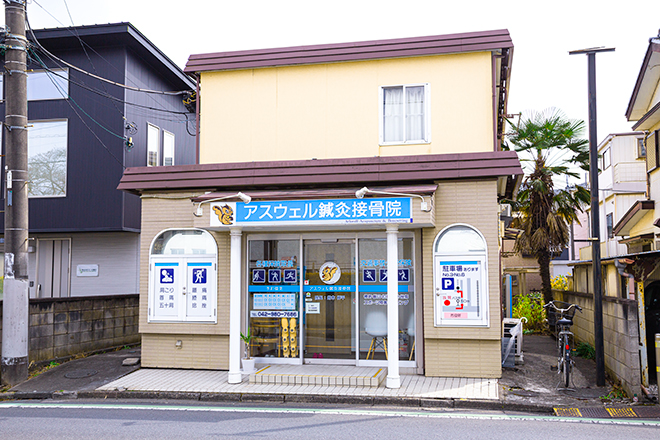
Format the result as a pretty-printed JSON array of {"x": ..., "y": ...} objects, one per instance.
[{"x": 566, "y": 374}]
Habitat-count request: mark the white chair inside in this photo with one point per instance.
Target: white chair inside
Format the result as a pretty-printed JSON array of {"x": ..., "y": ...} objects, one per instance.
[
  {"x": 375, "y": 325},
  {"x": 411, "y": 333}
]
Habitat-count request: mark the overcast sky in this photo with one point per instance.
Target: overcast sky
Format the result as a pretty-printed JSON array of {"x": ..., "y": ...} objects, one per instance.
[{"x": 543, "y": 33}]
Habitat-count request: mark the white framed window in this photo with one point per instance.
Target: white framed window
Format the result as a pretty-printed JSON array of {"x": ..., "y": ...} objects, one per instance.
[
  {"x": 641, "y": 148},
  {"x": 168, "y": 148},
  {"x": 45, "y": 85},
  {"x": 607, "y": 158},
  {"x": 183, "y": 281},
  {"x": 609, "y": 221},
  {"x": 47, "y": 158},
  {"x": 153, "y": 144},
  {"x": 404, "y": 113}
]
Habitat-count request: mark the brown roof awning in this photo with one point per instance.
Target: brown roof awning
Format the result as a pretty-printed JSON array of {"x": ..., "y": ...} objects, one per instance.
[
  {"x": 634, "y": 214},
  {"x": 323, "y": 173},
  {"x": 357, "y": 51}
]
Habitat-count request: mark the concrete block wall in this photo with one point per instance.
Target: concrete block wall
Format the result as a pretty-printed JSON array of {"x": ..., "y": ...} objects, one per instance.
[
  {"x": 620, "y": 335},
  {"x": 62, "y": 327}
]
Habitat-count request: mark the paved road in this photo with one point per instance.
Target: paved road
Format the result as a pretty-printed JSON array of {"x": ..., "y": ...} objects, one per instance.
[{"x": 122, "y": 420}]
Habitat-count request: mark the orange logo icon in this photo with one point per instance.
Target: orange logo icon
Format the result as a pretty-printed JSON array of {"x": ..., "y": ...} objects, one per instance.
[{"x": 225, "y": 214}]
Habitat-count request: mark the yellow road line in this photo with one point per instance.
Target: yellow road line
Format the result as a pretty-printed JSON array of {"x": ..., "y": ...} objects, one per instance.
[
  {"x": 567, "y": 412},
  {"x": 621, "y": 412}
]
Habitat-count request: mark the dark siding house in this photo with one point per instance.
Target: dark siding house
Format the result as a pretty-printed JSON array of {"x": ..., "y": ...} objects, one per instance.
[{"x": 83, "y": 133}]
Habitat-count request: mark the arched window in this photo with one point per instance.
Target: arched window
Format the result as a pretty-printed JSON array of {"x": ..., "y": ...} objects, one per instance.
[
  {"x": 183, "y": 276},
  {"x": 460, "y": 277}
]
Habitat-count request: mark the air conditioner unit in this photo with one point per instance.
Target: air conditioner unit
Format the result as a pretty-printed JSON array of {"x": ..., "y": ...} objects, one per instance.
[
  {"x": 507, "y": 325},
  {"x": 505, "y": 210}
]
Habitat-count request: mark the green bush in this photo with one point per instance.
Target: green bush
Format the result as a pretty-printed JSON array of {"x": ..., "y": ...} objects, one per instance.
[
  {"x": 530, "y": 306},
  {"x": 585, "y": 350}
]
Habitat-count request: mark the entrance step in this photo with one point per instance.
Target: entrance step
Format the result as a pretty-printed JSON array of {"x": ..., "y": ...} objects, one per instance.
[{"x": 323, "y": 375}]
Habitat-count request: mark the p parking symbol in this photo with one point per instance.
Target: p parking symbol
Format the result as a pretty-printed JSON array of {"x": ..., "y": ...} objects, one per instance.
[{"x": 447, "y": 284}]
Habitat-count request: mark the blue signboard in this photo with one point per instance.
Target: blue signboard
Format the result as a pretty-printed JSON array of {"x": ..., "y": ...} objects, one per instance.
[{"x": 316, "y": 212}]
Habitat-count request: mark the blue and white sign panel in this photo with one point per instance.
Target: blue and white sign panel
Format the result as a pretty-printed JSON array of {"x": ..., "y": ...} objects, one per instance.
[
  {"x": 166, "y": 288},
  {"x": 200, "y": 290},
  {"x": 312, "y": 212},
  {"x": 461, "y": 293},
  {"x": 182, "y": 289}
]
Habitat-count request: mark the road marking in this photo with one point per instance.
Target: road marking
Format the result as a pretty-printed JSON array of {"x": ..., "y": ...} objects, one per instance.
[
  {"x": 326, "y": 411},
  {"x": 621, "y": 412},
  {"x": 567, "y": 412}
]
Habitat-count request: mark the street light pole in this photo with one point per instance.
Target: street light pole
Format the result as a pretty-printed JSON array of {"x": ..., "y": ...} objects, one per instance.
[
  {"x": 595, "y": 213},
  {"x": 15, "y": 304}
]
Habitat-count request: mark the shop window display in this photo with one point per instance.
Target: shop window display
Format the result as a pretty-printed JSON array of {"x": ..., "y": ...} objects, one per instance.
[{"x": 274, "y": 295}]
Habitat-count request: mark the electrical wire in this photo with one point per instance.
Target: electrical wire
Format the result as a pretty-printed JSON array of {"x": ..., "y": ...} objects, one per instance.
[
  {"x": 136, "y": 89},
  {"x": 107, "y": 95},
  {"x": 82, "y": 45},
  {"x": 56, "y": 60},
  {"x": 69, "y": 100}
]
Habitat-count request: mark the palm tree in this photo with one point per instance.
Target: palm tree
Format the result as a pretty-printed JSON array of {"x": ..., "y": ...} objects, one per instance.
[{"x": 549, "y": 146}]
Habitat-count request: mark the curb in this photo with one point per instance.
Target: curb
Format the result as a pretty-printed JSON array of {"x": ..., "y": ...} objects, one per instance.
[{"x": 493, "y": 405}]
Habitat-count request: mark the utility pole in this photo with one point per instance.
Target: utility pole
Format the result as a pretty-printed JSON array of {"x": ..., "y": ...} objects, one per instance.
[
  {"x": 595, "y": 213},
  {"x": 15, "y": 317}
]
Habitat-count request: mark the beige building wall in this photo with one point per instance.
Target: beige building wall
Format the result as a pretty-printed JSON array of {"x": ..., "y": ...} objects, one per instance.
[
  {"x": 461, "y": 351},
  {"x": 203, "y": 345},
  {"x": 332, "y": 110},
  {"x": 449, "y": 351}
]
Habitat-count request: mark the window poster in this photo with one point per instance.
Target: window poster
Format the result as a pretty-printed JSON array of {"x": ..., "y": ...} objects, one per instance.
[
  {"x": 461, "y": 292},
  {"x": 182, "y": 289},
  {"x": 166, "y": 288},
  {"x": 200, "y": 289}
]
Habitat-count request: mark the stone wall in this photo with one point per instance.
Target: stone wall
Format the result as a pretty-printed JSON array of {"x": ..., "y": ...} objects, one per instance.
[
  {"x": 620, "y": 335},
  {"x": 63, "y": 327}
]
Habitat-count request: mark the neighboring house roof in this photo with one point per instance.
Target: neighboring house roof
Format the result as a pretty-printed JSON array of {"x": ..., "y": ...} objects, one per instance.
[
  {"x": 324, "y": 173},
  {"x": 634, "y": 215},
  {"x": 645, "y": 86},
  {"x": 359, "y": 51},
  {"x": 114, "y": 34},
  {"x": 611, "y": 136}
]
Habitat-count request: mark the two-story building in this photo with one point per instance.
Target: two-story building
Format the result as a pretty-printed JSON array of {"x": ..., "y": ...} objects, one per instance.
[
  {"x": 83, "y": 132},
  {"x": 345, "y": 210}
]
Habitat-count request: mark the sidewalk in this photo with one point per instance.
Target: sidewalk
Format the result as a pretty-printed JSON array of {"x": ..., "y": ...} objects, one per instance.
[{"x": 528, "y": 387}]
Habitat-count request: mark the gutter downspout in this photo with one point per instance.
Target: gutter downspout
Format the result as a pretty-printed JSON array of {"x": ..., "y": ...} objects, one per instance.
[{"x": 197, "y": 120}]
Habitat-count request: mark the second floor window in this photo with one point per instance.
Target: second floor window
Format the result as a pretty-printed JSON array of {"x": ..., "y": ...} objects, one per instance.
[
  {"x": 168, "y": 148},
  {"x": 157, "y": 149},
  {"x": 153, "y": 144},
  {"x": 404, "y": 114}
]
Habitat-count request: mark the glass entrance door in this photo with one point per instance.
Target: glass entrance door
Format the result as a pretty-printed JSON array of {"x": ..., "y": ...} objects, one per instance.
[{"x": 329, "y": 298}]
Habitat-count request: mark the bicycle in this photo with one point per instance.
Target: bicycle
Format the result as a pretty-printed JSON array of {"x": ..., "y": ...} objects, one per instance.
[{"x": 562, "y": 316}]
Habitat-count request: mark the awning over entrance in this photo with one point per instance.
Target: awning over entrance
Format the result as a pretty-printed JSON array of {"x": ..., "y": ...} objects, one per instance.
[{"x": 327, "y": 173}]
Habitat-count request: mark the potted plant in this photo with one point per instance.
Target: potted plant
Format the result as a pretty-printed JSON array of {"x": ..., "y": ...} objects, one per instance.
[{"x": 247, "y": 361}]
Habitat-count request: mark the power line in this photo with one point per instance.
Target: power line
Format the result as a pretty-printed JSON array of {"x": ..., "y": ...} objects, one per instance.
[
  {"x": 57, "y": 60},
  {"x": 69, "y": 100},
  {"x": 114, "y": 98},
  {"x": 136, "y": 89}
]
